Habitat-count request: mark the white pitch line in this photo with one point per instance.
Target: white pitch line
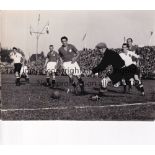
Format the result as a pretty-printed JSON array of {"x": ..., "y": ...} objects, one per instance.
[
  {"x": 28, "y": 109},
  {"x": 79, "y": 107},
  {"x": 120, "y": 105}
]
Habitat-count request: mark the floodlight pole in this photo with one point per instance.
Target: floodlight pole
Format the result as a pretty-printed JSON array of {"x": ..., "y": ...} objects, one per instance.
[
  {"x": 38, "y": 34},
  {"x": 37, "y": 37}
]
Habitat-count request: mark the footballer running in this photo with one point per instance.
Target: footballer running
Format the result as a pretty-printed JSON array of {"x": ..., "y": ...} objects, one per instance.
[
  {"x": 51, "y": 64},
  {"x": 18, "y": 59},
  {"x": 68, "y": 56},
  {"x": 130, "y": 58}
]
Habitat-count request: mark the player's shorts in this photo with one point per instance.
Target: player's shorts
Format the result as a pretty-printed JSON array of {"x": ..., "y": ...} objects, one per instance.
[
  {"x": 71, "y": 68},
  {"x": 124, "y": 73},
  {"x": 17, "y": 67},
  {"x": 129, "y": 71},
  {"x": 23, "y": 70},
  {"x": 51, "y": 66}
]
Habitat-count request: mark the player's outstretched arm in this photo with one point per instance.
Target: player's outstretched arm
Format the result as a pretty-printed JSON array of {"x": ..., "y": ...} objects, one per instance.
[
  {"x": 101, "y": 66},
  {"x": 75, "y": 58},
  {"x": 77, "y": 54},
  {"x": 133, "y": 54}
]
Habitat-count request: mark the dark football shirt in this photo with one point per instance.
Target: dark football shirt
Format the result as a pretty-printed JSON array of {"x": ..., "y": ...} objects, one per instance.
[
  {"x": 134, "y": 48},
  {"x": 69, "y": 53},
  {"x": 52, "y": 56},
  {"x": 110, "y": 58}
]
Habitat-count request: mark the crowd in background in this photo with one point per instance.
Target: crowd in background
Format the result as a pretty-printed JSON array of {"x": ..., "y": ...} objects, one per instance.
[
  {"x": 147, "y": 63},
  {"x": 89, "y": 58}
]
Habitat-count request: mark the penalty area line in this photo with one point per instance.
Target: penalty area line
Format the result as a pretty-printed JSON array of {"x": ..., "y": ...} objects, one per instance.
[{"x": 79, "y": 107}]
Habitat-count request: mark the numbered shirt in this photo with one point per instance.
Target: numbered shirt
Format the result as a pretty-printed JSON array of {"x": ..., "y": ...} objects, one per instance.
[
  {"x": 67, "y": 53},
  {"x": 16, "y": 57},
  {"x": 53, "y": 56}
]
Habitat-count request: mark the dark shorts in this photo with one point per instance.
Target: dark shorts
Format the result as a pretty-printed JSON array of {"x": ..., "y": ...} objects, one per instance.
[
  {"x": 18, "y": 67},
  {"x": 124, "y": 73}
]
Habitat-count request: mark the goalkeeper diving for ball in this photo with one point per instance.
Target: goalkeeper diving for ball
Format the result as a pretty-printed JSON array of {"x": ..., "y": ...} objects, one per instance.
[{"x": 120, "y": 71}]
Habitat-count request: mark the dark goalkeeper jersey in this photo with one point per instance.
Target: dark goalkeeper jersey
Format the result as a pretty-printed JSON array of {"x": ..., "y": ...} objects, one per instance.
[{"x": 110, "y": 58}]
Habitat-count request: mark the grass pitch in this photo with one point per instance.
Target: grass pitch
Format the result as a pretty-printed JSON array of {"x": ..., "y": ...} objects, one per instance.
[{"x": 33, "y": 101}]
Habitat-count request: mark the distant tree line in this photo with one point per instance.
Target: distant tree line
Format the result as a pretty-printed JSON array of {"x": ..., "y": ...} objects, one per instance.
[{"x": 5, "y": 55}]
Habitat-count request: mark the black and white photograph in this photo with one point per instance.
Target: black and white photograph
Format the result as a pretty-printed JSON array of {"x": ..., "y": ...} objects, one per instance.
[{"x": 81, "y": 65}]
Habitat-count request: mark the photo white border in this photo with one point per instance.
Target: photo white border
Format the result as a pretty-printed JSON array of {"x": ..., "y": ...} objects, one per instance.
[
  {"x": 76, "y": 5},
  {"x": 77, "y": 132}
]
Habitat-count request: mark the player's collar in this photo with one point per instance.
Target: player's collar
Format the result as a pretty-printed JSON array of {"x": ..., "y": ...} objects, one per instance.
[{"x": 65, "y": 46}]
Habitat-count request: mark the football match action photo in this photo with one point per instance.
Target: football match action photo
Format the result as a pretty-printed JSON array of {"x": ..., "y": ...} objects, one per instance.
[{"x": 77, "y": 65}]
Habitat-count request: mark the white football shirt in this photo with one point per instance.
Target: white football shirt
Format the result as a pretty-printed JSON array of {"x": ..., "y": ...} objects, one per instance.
[
  {"x": 127, "y": 57},
  {"x": 16, "y": 57}
]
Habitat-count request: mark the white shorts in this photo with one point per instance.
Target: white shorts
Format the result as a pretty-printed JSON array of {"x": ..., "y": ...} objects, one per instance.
[
  {"x": 71, "y": 68},
  {"x": 24, "y": 70},
  {"x": 51, "y": 66}
]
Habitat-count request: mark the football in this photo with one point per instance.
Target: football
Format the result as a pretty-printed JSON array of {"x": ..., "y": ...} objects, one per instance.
[{"x": 55, "y": 94}]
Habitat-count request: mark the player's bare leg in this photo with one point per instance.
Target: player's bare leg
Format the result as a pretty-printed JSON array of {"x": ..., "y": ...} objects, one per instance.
[
  {"x": 136, "y": 77},
  {"x": 130, "y": 84},
  {"x": 139, "y": 86},
  {"x": 73, "y": 83},
  {"x": 27, "y": 77},
  {"x": 124, "y": 85},
  {"x": 53, "y": 79},
  {"x": 48, "y": 78},
  {"x": 17, "y": 79},
  {"x": 81, "y": 84}
]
